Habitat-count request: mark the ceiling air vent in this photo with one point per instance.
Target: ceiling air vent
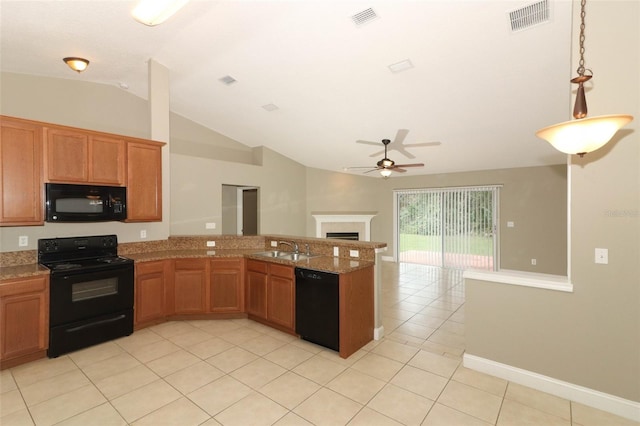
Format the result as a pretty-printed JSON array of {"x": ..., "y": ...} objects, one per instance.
[
  {"x": 364, "y": 17},
  {"x": 529, "y": 16},
  {"x": 227, "y": 79}
]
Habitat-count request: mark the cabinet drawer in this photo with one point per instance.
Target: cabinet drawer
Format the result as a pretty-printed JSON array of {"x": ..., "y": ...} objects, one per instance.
[
  {"x": 256, "y": 265},
  {"x": 185, "y": 264},
  {"x": 281, "y": 271},
  {"x": 23, "y": 285},
  {"x": 149, "y": 267}
]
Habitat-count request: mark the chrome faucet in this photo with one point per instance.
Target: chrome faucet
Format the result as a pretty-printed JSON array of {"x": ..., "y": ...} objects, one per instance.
[{"x": 293, "y": 245}]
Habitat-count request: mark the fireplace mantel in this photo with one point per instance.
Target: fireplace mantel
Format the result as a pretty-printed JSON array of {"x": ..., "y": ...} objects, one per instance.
[{"x": 363, "y": 220}]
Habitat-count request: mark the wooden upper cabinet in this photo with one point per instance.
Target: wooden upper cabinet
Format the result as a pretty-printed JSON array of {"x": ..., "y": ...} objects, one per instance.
[
  {"x": 20, "y": 173},
  {"x": 83, "y": 157},
  {"x": 106, "y": 160},
  {"x": 144, "y": 181}
]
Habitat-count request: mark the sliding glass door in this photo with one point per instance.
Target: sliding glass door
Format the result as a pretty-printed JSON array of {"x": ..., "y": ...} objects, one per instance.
[{"x": 448, "y": 227}]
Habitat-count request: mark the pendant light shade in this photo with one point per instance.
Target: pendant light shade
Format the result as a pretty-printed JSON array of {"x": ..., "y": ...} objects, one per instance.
[
  {"x": 154, "y": 12},
  {"x": 385, "y": 173},
  {"x": 583, "y": 135}
]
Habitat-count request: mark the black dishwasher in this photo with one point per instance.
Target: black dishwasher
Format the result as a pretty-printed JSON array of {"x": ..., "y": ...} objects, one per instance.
[{"x": 317, "y": 307}]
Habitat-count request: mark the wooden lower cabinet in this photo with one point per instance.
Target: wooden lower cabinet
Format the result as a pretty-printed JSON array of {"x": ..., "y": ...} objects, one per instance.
[
  {"x": 24, "y": 319},
  {"x": 281, "y": 296},
  {"x": 190, "y": 286},
  {"x": 256, "y": 289},
  {"x": 226, "y": 285},
  {"x": 271, "y": 294},
  {"x": 151, "y": 288}
]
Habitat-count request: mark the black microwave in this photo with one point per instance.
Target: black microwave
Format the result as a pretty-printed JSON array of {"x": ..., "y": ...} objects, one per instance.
[{"x": 84, "y": 203}]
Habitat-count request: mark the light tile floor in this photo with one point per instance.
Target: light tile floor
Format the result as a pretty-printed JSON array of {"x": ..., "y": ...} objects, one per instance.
[{"x": 239, "y": 372}]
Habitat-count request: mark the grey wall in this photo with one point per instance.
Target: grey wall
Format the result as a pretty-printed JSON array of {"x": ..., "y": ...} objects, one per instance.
[
  {"x": 534, "y": 198},
  {"x": 590, "y": 337}
]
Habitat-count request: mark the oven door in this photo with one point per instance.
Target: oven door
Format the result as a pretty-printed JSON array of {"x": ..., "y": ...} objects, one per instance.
[{"x": 78, "y": 295}]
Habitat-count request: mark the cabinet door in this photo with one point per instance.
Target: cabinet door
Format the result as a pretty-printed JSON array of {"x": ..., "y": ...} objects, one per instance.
[
  {"x": 226, "y": 291},
  {"x": 190, "y": 286},
  {"x": 256, "y": 290},
  {"x": 24, "y": 316},
  {"x": 150, "y": 292},
  {"x": 20, "y": 173},
  {"x": 144, "y": 182},
  {"x": 281, "y": 300},
  {"x": 106, "y": 160},
  {"x": 66, "y": 156}
]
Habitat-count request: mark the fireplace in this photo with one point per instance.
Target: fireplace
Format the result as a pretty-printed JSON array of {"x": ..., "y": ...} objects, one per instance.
[
  {"x": 352, "y": 236},
  {"x": 344, "y": 223}
]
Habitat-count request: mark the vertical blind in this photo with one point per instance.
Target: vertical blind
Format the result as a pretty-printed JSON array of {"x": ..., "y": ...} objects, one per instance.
[{"x": 448, "y": 227}]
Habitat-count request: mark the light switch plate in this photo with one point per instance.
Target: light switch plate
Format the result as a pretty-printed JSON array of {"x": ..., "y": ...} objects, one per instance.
[
  {"x": 274, "y": 244},
  {"x": 336, "y": 251},
  {"x": 210, "y": 225},
  {"x": 211, "y": 243},
  {"x": 510, "y": 224},
  {"x": 354, "y": 253},
  {"x": 23, "y": 240},
  {"x": 602, "y": 255}
]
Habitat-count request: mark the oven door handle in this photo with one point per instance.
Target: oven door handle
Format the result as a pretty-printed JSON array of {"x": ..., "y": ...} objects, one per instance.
[{"x": 96, "y": 324}]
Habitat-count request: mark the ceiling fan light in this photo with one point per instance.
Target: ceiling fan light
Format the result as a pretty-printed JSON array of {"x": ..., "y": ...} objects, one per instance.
[
  {"x": 154, "y": 12},
  {"x": 385, "y": 173},
  {"x": 76, "y": 64},
  {"x": 583, "y": 135}
]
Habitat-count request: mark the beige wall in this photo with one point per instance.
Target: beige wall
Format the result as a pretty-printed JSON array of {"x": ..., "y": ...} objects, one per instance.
[
  {"x": 590, "y": 337},
  {"x": 534, "y": 198}
]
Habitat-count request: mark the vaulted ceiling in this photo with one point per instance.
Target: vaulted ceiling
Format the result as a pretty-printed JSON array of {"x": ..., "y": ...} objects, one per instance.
[{"x": 475, "y": 86}]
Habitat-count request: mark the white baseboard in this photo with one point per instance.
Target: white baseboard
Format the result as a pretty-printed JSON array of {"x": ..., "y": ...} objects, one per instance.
[
  {"x": 378, "y": 333},
  {"x": 592, "y": 398}
]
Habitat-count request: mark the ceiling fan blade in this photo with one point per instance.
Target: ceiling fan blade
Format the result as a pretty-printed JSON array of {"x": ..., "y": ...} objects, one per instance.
[
  {"x": 357, "y": 167},
  {"x": 368, "y": 142},
  {"x": 372, "y": 170},
  {"x": 408, "y": 165},
  {"x": 400, "y": 136},
  {"x": 409, "y": 145},
  {"x": 404, "y": 152},
  {"x": 399, "y": 170},
  {"x": 375, "y": 154}
]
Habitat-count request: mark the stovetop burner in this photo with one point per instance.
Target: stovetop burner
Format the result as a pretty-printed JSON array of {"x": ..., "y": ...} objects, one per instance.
[{"x": 80, "y": 253}]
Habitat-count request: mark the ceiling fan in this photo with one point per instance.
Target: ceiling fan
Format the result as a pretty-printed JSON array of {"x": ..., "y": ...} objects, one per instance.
[
  {"x": 386, "y": 166},
  {"x": 398, "y": 144}
]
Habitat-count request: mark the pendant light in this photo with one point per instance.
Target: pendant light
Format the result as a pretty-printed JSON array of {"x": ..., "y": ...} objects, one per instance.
[
  {"x": 155, "y": 12},
  {"x": 583, "y": 134}
]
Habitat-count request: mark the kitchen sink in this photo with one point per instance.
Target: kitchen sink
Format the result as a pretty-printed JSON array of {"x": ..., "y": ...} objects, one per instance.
[
  {"x": 286, "y": 255},
  {"x": 272, "y": 253},
  {"x": 297, "y": 256}
]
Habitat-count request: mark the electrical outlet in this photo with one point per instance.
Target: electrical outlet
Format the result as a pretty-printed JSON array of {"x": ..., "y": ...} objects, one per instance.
[
  {"x": 274, "y": 244},
  {"x": 210, "y": 225},
  {"x": 534, "y": 262},
  {"x": 510, "y": 224},
  {"x": 211, "y": 243},
  {"x": 354, "y": 253},
  {"x": 23, "y": 241},
  {"x": 336, "y": 251},
  {"x": 143, "y": 233},
  {"x": 602, "y": 256}
]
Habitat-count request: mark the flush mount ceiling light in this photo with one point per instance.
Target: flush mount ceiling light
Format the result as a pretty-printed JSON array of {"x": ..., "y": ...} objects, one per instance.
[
  {"x": 154, "y": 12},
  {"x": 76, "y": 64},
  {"x": 583, "y": 135}
]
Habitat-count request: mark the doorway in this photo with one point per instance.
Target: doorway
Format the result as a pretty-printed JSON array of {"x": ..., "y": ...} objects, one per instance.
[
  {"x": 448, "y": 227},
  {"x": 240, "y": 210}
]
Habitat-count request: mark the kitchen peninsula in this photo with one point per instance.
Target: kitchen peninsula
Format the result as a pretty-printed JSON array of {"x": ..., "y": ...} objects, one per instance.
[{"x": 208, "y": 277}]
